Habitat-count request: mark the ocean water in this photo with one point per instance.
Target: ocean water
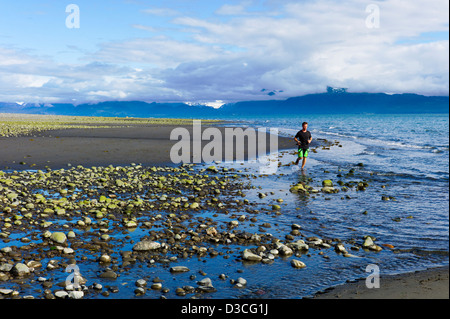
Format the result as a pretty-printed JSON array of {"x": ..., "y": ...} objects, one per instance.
[{"x": 404, "y": 157}]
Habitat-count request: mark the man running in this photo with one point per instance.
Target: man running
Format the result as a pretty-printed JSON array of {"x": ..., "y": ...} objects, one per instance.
[{"x": 303, "y": 138}]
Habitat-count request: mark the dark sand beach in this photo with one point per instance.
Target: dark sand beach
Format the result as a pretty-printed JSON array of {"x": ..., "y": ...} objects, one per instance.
[
  {"x": 144, "y": 144},
  {"x": 426, "y": 284}
]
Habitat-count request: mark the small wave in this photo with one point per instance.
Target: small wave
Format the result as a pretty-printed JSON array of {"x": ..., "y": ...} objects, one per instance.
[
  {"x": 381, "y": 142},
  {"x": 437, "y": 176},
  {"x": 414, "y": 146},
  {"x": 373, "y": 154},
  {"x": 337, "y": 134}
]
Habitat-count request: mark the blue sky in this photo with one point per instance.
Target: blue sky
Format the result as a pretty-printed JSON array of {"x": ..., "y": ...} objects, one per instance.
[{"x": 208, "y": 51}]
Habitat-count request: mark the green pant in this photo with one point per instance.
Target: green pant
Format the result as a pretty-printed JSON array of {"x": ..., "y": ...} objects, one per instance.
[{"x": 303, "y": 152}]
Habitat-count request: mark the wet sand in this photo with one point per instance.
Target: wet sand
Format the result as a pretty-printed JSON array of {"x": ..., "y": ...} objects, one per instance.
[
  {"x": 141, "y": 144},
  {"x": 427, "y": 284}
]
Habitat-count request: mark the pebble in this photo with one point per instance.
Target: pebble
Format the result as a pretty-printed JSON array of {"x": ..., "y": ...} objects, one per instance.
[
  {"x": 179, "y": 269},
  {"x": 20, "y": 270},
  {"x": 113, "y": 289},
  {"x": 71, "y": 234},
  {"x": 61, "y": 294},
  {"x": 109, "y": 274},
  {"x": 156, "y": 286},
  {"x": 139, "y": 291},
  {"x": 205, "y": 282},
  {"x": 141, "y": 283},
  {"x": 340, "y": 248},
  {"x": 97, "y": 286},
  {"x": 180, "y": 292},
  {"x": 76, "y": 294},
  {"x": 58, "y": 237},
  {"x": 146, "y": 245},
  {"x": 6, "y": 250},
  {"x": 234, "y": 223},
  {"x": 297, "y": 263},
  {"x": 105, "y": 258},
  {"x": 68, "y": 251},
  {"x": 6, "y": 267},
  {"x": 247, "y": 254},
  {"x": 241, "y": 281},
  {"x": 285, "y": 250},
  {"x": 6, "y": 291}
]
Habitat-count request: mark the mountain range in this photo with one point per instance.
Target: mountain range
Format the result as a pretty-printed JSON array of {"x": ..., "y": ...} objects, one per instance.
[{"x": 331, "y": 102}]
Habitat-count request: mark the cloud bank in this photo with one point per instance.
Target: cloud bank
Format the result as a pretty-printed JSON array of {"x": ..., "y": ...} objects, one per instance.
[{"x": 289, "y": 47}]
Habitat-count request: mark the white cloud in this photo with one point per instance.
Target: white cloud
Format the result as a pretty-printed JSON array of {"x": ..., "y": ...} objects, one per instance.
[
  {"x": 323, "y": 42},
  {"x": 229, "y": 9},
  {"x": 295, "y": 47},
  {"x": 159, "y": 51}
]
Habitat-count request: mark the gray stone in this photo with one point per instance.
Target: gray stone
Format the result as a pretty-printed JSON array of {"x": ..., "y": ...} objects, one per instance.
[
  {"x": 68, "y": 251},
  {"x": 179, "y": 269},
  {"x": 105, "y": 258},
  {"x": 285, "y": 250},
  {"x": 156, "y": 286},
  {"x": 140, "y": 283},
  {"x": 76, "y": 294},
  {"x": 6, "y": 250},
  {"x": 205, "y": 282},
  {"x": 58, "y": 237},
  {"x": 20, "y": 270},
  {"x": 146, "y": 245},
  {"x": 61, "y": 294},
  {"x": 108, "y": 274},
  {"x": 241, "y": 281},
  {"x": 98, "y": 287},
  {"x": 139, "y": 291},
  {"x": 329, "y": 190},
  {"x": 340, "y": 248},
  {"x": 6, "y": 267},
  {"x": 368, "y": 242},
  {"x": 6, "y": 291},
  {"x": 248, "y": 255},
  {"x": 299, "y": 245},
  {"x": 297, "y": 263}
]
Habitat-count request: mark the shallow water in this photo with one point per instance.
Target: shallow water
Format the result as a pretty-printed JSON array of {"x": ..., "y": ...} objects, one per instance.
[{"x": 408, "y": 156}]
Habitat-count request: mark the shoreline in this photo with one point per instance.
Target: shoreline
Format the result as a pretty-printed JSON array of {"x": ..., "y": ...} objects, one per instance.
[{"x": 432, "y": 283}]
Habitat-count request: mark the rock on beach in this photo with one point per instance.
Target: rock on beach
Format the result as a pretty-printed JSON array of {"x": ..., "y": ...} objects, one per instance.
[
  {"x": 146, "y": 245},
  {"x": 58, "y": 237},
  {"x": 247, "y": 254},
  {"x": 297, "y": 263}
]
